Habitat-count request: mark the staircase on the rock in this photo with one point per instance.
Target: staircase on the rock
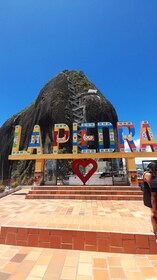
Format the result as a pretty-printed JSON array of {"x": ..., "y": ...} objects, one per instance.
[
  {"x": 85, "y": 192},
  {"x": 78, "y": 110}
]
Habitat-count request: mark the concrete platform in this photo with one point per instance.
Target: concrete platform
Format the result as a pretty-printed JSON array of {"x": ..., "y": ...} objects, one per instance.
[{"x": 33, "y": 230}]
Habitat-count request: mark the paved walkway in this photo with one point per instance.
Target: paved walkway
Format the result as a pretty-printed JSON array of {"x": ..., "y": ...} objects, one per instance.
[
  {"x": 107, "y": 215},
  {"x": 20, "y": 263},
  {"x": 30, "y": 263}
]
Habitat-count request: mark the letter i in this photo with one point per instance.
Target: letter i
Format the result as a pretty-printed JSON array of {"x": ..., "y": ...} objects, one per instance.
[{"x": 75, "y": 138}]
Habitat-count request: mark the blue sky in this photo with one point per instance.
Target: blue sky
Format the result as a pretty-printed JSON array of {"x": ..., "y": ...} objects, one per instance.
[{"x": 114, "y": 42}]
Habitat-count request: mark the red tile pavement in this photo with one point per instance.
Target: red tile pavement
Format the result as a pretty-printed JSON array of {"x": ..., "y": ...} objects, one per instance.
[
  {"x": 33, "y": 222},
  {"x": 99, "y": 215},
  {"x": 29, "y": 263}
]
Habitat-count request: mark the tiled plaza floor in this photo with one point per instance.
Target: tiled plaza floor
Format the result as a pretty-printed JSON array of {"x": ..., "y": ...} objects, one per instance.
[
  {"x": 119, "y": 216},
  {"x": 19, "y": 262}
]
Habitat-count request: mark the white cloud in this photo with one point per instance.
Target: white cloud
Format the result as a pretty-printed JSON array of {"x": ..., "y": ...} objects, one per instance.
[{"x": 137, "y": 143}]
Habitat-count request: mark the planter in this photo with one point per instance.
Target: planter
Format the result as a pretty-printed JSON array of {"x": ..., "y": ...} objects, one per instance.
[{"x": 9, "y": 191}]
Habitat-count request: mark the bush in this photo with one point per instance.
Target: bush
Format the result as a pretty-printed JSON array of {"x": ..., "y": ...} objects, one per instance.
[
  {"x": 2, "y": 188},
  {"x": 14, "y": 184}
]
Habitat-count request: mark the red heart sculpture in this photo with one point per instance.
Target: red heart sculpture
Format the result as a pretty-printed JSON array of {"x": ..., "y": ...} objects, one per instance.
[{"x": 84, "y": 163}]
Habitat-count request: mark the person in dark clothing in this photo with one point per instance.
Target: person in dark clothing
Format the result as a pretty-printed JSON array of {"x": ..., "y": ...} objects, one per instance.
[
  {"x": 150, "y": 193},
  {"x": 153, "y": 189}
]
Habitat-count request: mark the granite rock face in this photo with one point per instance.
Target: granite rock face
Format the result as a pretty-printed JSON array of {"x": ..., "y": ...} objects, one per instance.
[{"x": 68, "y": 97}]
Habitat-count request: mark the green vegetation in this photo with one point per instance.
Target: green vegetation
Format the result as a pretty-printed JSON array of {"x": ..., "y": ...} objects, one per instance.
[
  {"x": 63, "y": 165},
  {"x": 82, "y": 82},
  {"x": 14, "y": 184},
  {"x": 23, "y": 172},
  {"x": 2, "y": 188}
]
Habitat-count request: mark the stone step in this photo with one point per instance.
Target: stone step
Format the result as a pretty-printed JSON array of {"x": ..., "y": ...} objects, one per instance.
[
  {"x": 67, "y": 187},
  {"x": 86, "y": 192},
  {"x": 89, "y": 192},
  {"x": 99, "y": 241},
  {"x": 84, "y": 197}
]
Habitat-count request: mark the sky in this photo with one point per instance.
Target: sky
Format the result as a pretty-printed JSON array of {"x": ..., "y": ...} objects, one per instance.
[{"x": 114, "y": 42}]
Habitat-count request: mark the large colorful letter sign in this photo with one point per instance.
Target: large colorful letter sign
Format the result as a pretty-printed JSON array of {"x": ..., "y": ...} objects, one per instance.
[
  {"x": 84, "y": 163},
  {"x": 101, "y": 138},
  {"x": 35, "y": 142},
  {"x": 16, "y": 141},
  {"x": 147, "y": 138},
  {"x": 86, "y": 138},
  {"x": 128, "y": 138},
  {"x": 57, "y": 139},
  {"x": 62, "y": 134},
  {"x": 75, "y": 139}
]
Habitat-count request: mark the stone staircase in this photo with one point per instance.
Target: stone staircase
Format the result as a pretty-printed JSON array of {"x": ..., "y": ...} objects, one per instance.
[{"x": 86, "y": 192}]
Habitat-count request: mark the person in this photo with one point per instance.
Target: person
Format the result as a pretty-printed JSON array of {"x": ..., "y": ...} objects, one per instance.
[{"x": 150, "y": 193}]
